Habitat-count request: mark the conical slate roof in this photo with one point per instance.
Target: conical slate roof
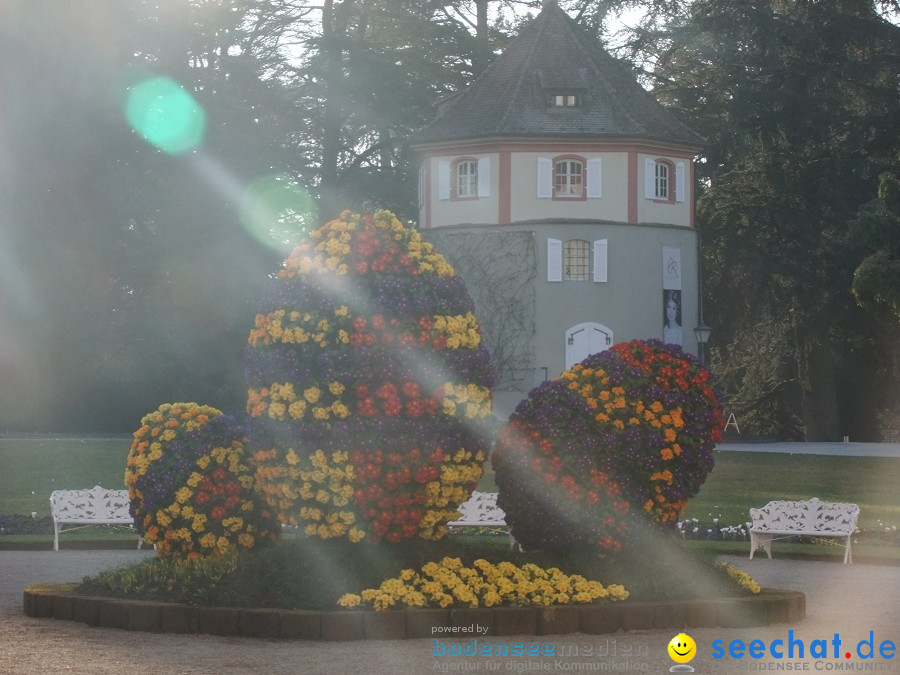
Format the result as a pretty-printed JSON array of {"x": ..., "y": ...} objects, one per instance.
[{"x": 553, "y": 55}]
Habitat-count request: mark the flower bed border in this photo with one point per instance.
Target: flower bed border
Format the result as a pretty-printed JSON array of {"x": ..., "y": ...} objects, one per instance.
[{"x": 59, "y": 601}]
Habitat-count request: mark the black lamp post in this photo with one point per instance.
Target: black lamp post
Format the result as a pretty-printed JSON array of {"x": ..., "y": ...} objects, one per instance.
[{"x": 702, "y": 332}]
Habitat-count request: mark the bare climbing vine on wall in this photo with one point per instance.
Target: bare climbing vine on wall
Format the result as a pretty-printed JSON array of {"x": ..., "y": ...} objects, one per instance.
[{"x": 499, "y": 269}]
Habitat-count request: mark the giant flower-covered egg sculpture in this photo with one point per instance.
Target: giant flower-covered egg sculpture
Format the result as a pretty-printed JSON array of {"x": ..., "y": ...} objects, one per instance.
[
  {"x": 367, "y": 385},
  {"x": 626, "y": 434}
]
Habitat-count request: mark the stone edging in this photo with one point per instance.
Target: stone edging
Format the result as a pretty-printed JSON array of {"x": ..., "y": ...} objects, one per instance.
[{"x": 59, "y": 601}]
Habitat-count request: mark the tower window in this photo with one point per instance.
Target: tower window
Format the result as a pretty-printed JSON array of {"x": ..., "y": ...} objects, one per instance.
[
  {"x": 661, "y": 186},
  {"x": 467, "y": 178},
  {"x": 568, "y": 178},
  {"x": 577, "y": 263}
]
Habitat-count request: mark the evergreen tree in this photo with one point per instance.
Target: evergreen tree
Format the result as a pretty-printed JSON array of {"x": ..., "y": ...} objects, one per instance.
[{"x": 800, "y": 106}]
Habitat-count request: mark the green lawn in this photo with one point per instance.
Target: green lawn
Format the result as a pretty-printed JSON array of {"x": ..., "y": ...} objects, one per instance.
[
  {"x": 31, "y": 469},
  {"x": 826, "y": 549},
  {"x": 741, "y": 480}
]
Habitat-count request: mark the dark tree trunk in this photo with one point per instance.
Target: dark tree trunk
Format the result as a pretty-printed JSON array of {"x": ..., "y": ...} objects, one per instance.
[
  {"x": 332, "y": 53},
  {"x": 482, "y": 56},
  {"x": 818, "y": 389}
]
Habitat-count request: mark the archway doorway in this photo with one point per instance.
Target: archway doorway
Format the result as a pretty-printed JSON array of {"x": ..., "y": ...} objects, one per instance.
[{"x": 586, "y": 339}]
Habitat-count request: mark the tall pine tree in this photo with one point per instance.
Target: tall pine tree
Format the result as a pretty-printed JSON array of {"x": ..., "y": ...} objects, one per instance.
[{"x": 800, "y": 106}]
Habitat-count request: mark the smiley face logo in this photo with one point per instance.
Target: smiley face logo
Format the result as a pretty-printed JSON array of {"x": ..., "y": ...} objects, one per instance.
[{"x": 682, "y": 648}]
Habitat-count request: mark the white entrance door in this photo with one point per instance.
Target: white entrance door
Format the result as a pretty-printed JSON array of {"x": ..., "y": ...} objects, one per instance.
[{"x": 586, "y": 339}]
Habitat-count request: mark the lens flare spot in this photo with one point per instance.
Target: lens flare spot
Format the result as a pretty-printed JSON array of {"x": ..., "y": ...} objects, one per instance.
[
  {"x": 277, "y": 211},
  {"x": 166, "y": 115}
]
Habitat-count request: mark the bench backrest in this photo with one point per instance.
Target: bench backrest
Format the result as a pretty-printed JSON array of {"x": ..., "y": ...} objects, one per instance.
[
  {"x": 97, "y": 505},
  {"x": 482, "y": 508},
  {"x": 806, "y": 516}
]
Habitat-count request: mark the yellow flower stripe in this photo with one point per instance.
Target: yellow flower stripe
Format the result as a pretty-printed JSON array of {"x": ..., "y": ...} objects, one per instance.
[
  {"x": 458, "y": 471},
  {"x": 462, "y": 330},
  {"x": 294, "y": 327},
  {"x": 448, "y": 583},
  {"x": 282, "y": 402},
  {"x": 164, "y": 425},
  {"x": 315, "y": 492},
  {"x": 324, "y": 493},
  {"x": 430, "y": 261},
  {"x": 469, "y": 401}
]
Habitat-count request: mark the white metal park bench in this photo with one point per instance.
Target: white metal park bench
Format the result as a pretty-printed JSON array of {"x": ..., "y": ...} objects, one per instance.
[
  {"x": 76, "y": 509},
  {"x": 481, "y": 510},
  {"x": 784, "y": 519}
]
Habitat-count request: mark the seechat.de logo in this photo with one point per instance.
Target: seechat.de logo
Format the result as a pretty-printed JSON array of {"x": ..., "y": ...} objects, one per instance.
[{"x": 797, "y": 648}]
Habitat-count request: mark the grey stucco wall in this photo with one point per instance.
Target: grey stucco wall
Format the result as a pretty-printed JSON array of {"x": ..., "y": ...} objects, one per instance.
[{"x": 630, "y": 302}]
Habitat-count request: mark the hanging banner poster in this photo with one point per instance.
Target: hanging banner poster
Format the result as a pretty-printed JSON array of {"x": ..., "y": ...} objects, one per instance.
[
  {"x": 671, "y": 261},
  {"x": 672, "y": 318}
]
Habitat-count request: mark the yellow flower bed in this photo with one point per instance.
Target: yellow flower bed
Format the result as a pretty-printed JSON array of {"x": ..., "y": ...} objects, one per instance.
[
  {"x": 448, "y": 583},
  {"x": 741, "y": 578}
]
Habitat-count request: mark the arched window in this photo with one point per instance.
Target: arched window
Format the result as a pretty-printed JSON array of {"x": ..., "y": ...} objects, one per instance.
[
  {"x": 465, "y": 178},
  {"x": 568, "y": 178},
  {"x": 577, "y": 262},
  {"x": 663, "y": 181},
  {"x": 661, "y": 186}
]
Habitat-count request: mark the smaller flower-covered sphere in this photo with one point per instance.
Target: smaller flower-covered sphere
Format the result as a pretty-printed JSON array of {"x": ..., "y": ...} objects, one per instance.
[
  {"x": 191, "y": 493},
  {"x": 626, "y": 432}
]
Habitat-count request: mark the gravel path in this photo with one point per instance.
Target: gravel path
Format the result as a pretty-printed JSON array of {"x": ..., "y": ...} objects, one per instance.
[{"x": 847, "y": 599}]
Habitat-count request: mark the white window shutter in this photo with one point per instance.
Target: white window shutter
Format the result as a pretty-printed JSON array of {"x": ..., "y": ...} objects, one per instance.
[
  {"x": 595, "y": 178},
  {"x": 649, "y": 179},
  {"x": 679, "y": 182},
  {"x": 554, "y": 260},
  {"x": 443, "y": 179},
  {"x": 600, "y": 257},
  {"x": 421, "y": 186},
  {"x": 544, "y": 179},
  {"x": 484, "y": 177}
]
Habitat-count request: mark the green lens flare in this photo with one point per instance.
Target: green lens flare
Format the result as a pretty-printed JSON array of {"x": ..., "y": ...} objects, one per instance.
[
  {"x": 167, "y": 116},
  {"x": 277, "y": 211}
]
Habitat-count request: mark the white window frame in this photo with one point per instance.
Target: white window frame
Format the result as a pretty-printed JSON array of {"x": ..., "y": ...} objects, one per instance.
[
  {"x": 466, "y": 179},
  {"x": 568, "y": 175},
  {"x": 577, "y": 255},
  {"x": 674, "y": 181},
  {"x": 598, "y": 266},
  {"x": 661, "y": 181}
]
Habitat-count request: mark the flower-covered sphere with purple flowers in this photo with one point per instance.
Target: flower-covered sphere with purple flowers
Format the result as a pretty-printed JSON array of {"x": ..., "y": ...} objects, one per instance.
[
  {"x": 367, "y": 382},
  {"x": 628, "y": 431},
  {"x": 192, "y": 494}
]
